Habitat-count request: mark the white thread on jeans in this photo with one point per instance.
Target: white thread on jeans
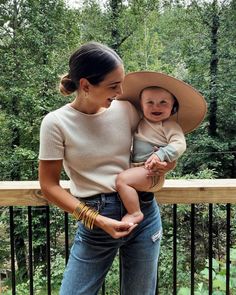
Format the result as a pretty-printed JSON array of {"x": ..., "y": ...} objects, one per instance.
[
  {"x": 157, "y": 235},
  {"x": 80, "y": 238}
]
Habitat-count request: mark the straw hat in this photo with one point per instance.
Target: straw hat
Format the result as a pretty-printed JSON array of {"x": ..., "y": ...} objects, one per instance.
[{"x": 192, "y": 105}]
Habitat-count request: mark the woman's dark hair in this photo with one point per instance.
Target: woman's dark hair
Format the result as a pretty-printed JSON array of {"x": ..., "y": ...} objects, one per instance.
[{"x": 92, "y": 61}]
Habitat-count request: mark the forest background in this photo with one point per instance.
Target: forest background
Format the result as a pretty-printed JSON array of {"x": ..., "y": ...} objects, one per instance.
[{"x": 190, "y": 40}]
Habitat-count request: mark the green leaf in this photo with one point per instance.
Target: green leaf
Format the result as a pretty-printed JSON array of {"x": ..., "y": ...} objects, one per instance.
[{"x": 183, "y": 291}]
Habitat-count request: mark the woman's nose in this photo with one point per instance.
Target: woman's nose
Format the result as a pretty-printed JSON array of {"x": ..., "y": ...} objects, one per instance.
[{"x": 119, "y": 90}]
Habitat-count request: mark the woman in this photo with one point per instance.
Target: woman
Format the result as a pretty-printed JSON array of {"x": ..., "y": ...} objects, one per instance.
[{"x": 91, "y": 137}]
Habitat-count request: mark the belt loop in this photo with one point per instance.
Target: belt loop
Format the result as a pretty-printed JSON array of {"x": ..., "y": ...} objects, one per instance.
[{"x": 103, "y": 200}]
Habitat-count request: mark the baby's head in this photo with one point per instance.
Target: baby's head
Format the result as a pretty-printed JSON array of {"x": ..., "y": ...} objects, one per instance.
[{"x": 157, "y": 103}]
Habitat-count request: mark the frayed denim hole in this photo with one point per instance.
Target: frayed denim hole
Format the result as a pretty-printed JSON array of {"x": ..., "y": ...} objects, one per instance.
[
  {"x": 80, "y": 238},
  {"x": 142, "y": 202},
  {"x": 157, "y": 236}
]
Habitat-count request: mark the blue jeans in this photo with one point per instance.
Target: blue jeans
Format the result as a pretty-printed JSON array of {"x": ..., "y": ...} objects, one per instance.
[{"x": 94, "y": 250}]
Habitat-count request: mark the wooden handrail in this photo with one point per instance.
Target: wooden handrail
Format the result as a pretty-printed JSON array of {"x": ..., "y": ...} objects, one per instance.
[{"x": 181, "y": 191}]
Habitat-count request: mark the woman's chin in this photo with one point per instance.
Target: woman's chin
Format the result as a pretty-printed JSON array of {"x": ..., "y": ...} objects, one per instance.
[{"x": 108, "y": 103}]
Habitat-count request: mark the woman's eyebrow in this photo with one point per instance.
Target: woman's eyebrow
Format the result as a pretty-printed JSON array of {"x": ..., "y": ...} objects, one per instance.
[{"x": 113, "y": 83}]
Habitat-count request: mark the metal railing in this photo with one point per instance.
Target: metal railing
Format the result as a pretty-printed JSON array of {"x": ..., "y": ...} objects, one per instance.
[{"x": 192, "y": 192}]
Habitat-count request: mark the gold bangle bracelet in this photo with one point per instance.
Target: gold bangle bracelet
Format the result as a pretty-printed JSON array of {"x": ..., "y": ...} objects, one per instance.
[
  {"x": 78, "y": 210},
  {"x": 86, "y": 214}
]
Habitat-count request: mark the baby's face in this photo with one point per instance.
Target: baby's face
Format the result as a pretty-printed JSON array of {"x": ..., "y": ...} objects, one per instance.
[{"x": 156, "y": 104}]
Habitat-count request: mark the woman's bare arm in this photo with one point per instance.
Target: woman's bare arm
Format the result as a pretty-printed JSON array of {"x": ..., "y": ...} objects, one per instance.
[{"x": 49, "y": 178}]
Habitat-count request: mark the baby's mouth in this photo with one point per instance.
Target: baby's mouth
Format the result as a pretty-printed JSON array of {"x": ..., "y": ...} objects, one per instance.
[{"x": 156, "y": 113}]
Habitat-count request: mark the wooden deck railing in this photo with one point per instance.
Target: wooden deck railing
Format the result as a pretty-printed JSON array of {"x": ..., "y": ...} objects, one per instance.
[{"x": 192, "y": 191}]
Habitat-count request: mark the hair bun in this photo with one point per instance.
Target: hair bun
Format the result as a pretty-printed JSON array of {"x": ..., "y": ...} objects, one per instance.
[{"x": 67, "y": 86}]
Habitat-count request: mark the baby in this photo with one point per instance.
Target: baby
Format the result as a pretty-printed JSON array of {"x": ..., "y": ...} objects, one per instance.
[{"x": 157, "y": 139}]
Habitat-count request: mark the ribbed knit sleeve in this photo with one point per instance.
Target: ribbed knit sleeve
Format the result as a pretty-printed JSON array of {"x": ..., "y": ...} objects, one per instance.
[
  {"x": 176, "y": 142},
  {"x": 51, "y": 139}
]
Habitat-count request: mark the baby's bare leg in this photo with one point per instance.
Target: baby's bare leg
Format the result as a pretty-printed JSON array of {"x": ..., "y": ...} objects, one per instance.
[{"x": 127, "y": 184}]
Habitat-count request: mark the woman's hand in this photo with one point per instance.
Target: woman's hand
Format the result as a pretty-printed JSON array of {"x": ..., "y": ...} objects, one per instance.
[{"x": 116, "y": 229}]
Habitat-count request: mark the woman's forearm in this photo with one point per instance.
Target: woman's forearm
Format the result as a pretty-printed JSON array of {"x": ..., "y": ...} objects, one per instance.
[
  {"x": 58, "y": 196},
  {"x": 49, "y": 178}
]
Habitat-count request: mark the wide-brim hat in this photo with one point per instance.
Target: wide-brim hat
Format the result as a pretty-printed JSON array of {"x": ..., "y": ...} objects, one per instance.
[{"x": 192, "y": 105}]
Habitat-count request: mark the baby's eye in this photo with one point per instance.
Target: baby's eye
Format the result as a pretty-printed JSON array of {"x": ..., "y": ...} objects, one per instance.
[
  {"x": 150, "y": 102},
  {"x": 163, "y": 102},
  {"x": 113, "y": 87}
]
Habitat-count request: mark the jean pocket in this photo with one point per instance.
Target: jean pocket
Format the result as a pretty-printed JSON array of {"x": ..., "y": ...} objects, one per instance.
[{"x": 146, "y": 198}]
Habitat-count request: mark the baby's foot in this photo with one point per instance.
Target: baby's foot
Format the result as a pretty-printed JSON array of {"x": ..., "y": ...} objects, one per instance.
[{"x": 134, "y": 218}]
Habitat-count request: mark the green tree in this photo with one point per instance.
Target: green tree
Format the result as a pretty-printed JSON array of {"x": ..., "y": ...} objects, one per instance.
[
  {"x": 193, "y": 37},
  {"x": 35, "y": 36}
]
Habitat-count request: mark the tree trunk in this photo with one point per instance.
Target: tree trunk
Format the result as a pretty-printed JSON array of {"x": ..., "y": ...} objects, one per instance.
[
  {"x": 20, "y": 248},
  {"x": 21, "y": 258},
  {"x": 213, "y": 71},
  {"x": 115, "y": 7},
  {"x": 15, "y": 172}
]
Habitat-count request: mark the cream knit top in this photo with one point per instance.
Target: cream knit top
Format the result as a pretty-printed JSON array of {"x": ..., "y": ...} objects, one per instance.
[{"x": 94, "y": 148}]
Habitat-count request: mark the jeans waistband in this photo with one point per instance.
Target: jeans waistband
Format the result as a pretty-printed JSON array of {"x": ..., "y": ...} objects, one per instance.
[
  {"x": 143, "y": 196},
  {"x": 101, "y": 197}
]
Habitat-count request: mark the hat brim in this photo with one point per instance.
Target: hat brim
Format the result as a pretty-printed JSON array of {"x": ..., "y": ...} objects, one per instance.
[{"x": 192, "y": 105}]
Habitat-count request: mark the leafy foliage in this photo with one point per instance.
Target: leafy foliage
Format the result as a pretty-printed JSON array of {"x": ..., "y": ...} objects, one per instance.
[
  {"x": 219, "y": 278},
  {"x": 175, "y": 37}
]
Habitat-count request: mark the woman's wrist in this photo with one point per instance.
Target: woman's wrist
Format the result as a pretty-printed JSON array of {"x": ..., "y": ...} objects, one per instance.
[{"x": 100, "y": 221}]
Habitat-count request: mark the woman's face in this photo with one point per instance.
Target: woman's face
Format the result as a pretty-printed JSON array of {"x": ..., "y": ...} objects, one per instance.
[
  {"x": 106, "y": 91},
  {"x": 157, "y": 104}
]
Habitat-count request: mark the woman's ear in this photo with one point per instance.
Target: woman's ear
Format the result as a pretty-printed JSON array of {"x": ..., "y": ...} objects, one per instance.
[{"x": 84, "y": 85}]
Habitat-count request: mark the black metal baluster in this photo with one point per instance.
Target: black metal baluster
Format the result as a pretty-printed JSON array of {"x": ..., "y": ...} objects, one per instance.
[
  {"x": 120, "y": 270},
  {"x": 228, "y": 221},
  {"x": 103, "y": 289},
  {"x": 192, "y": 247},
  {"x": 174, "y": 249},
  {"x": 30, "y": 251},
  {"x": 157, "y": 285},
  {"x": 210, "y": 252},
  {"x": 48, "y": 250},
  {"x": 66, "y": 237},
  {"x": 13, "y": 270}
]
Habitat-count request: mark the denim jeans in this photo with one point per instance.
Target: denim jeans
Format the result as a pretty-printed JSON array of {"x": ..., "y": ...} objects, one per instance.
[{"x": 94, "y": 250}]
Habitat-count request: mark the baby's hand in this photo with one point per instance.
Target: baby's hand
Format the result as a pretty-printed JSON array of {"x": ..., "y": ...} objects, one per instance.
[{"x": 152, "y": 162}]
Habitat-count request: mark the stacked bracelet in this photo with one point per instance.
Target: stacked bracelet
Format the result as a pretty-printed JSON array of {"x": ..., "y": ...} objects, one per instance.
[{"x": 86, "y": 214}]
